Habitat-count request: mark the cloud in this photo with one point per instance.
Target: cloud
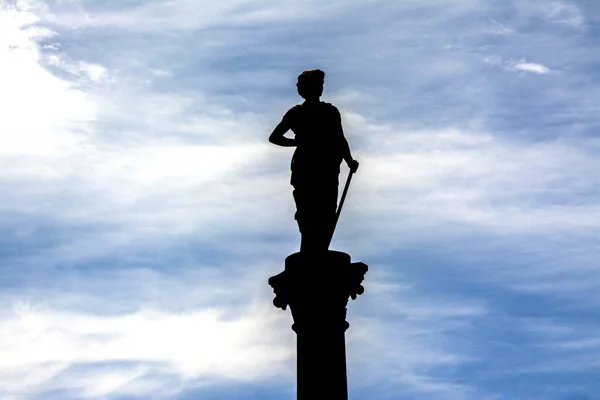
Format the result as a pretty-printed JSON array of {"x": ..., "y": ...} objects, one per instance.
[
  {"x": 134, "y": 151},
  {"x": 29, "y": 89},
  {"x": 142, "y": 340},
  {"x": 183, "y": 14},
  {"x": 532, "y": 67},
  {"x": 563, "y": 346},
  {"x": 148, "y": 179},
  {"x": 566, "y": 13},
  {"x": 472, "y": 180},
  {"x": 501, "y": 29},
  {"x": 51, "y": 141},
  {"x": 71, "y": 139},
  {"x": 94, "y": 72},
  {"x": 39, "y": 345},
  {"x": 517, "y": 65},
  {"x": 401, "y": 341}
]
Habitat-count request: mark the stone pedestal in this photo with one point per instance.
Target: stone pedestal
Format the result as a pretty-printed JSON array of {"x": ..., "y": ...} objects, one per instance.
[{"x": 317, "y": 288}]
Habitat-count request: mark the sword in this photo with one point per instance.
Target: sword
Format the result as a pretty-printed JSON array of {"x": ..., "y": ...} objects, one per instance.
[{"x": 339, "y": 210}]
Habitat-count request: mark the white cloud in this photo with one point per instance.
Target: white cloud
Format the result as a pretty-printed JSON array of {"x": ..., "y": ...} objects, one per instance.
[
  {"x": 517, "y": 65},
  {"x": 565, "y": 13},
  {"x": 188, "y": 15},
  {"x": 94, "y": 72},
  {"x": 40, "y": 112},
  {"x": 472, "y": 178},
  {"x": 162, "y": 73},
  {"x": 532, "y": 67},
  {"x": 140, "y": 169},
  {"x": 400, "y": 338},
  {"x": 69, "y": 168},
  {"x": 147, "y": 333},
  {"x": 179, "y": 165},
  {"x": 498, "y": 28},
  {"x": 52, "y": 157},
  {"x": 105, "y": 333},
  {"x": 187, "y": 165},
  {"x": 425, "y": 384},
  {"x": 38, "y": 345}
]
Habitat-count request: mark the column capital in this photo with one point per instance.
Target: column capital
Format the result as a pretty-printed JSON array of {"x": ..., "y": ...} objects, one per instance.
[{"x": 317, "y": 287}]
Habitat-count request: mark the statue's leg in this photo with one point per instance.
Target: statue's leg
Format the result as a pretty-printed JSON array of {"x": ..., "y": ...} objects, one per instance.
[
  {"x": 316, "y": 204},
  {"x": 299, "y": 215},
  {"x": 297, "y": 182},
  {"x": 302, "y": 216},
  {"x": 306, "y": 216},
  {"x": 300, "y": 206},
  {"x": 321, "y": 205}
]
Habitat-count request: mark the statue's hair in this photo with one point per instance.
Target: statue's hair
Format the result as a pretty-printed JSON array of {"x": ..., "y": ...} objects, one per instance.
[
  {"x": 312, "y": 76},
  {"x": 310, "y": 83}
]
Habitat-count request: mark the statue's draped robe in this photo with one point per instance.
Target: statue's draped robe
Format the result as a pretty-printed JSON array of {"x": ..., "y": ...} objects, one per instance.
[{"x": 315, "y": 170}]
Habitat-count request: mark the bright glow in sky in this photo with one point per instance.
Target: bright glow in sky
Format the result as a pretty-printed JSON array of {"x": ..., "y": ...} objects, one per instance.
[{"x": 143, "y": 209}]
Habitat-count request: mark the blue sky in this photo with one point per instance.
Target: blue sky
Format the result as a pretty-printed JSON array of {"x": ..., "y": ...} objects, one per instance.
[{"x": 143, "y": 209}]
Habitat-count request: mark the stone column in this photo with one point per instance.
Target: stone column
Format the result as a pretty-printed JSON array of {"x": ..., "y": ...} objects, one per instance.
[{"x": 317, "y": 289}]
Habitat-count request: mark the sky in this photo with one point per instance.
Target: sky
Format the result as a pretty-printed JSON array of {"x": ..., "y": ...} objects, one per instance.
[{"x": 142, "y": 208}]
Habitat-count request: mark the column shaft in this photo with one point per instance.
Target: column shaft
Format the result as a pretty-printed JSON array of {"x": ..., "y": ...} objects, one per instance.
[{"x": 321, "y": 366}]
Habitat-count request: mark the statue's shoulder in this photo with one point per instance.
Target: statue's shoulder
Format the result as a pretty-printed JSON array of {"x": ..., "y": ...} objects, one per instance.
[
  {"x": 332, "y": 111},
  {"x": 293, "y": 112},
  {"x": 295, "y": 109},
  {"x": 330, "y": 107}
]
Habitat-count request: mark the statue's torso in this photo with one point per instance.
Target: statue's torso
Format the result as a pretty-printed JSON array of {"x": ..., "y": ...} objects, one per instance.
[{"x": 317, "y": 129}]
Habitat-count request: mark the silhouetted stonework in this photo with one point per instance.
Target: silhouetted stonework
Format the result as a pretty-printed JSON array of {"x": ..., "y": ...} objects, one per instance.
[
  {"x": 332, "y": 276},
  {"x": 317, "y": 283},
  {"x": 317, "y": 289},
  {"x": 320, "y": 148}
]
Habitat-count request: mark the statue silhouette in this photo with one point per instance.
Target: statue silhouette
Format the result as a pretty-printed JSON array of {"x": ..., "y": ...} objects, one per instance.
[{"x": 320, "y": 148}]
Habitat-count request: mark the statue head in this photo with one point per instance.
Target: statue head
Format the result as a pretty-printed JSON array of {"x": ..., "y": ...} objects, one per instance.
[{"x": 310, "y": 84}]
